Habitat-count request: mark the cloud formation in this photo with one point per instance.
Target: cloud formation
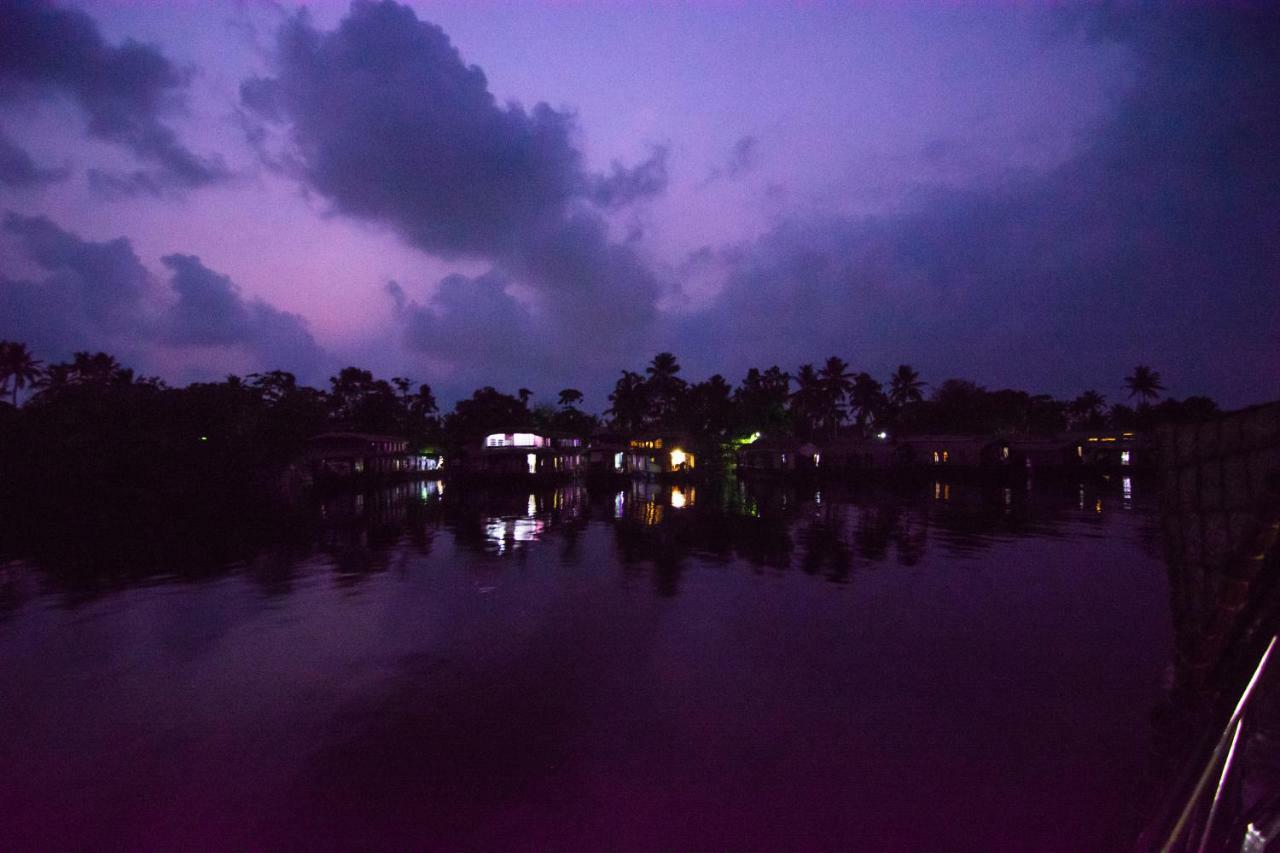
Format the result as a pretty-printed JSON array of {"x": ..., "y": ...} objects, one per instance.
[
  {"x": 100, "y": 296},
  {"x": 125, "y": 92},
  {"x": 19, "y": 171},
  {"x": 1154, "y": 243},
  {"x": 382, "y": 117}
]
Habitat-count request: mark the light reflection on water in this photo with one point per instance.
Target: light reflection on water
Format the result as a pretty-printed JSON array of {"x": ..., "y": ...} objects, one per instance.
[{"x": 653, "y": 666}]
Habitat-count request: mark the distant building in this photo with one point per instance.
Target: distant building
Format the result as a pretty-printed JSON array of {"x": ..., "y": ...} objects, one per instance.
[
  {"x": 1114, "y": 449},
  {"x": 607, "y": 455},
  {"x": 1044, "y": 453},
  {"x": 859, "y": 454},
  {"x": 340, "y": 455},
  {"x": 660, "y": 455},
  {"x": 778, "y": 456},
  {"x": 952, "y": 451},
  {"x": 524, "y": 454}
]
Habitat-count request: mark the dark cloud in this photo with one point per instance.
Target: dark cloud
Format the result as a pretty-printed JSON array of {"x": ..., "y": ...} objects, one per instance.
[
  {"x": 743, "y": 158},
  {"x": 1155, "y": 243},
  {"x": 99, "y": 295},
  {"x": 624, "y": 186},
  {"x": 18, "y": 170},
  {"x": 389, "y": 124},
  {"x": 383, "y": 118},
  {"x": 124, "y": 91}
]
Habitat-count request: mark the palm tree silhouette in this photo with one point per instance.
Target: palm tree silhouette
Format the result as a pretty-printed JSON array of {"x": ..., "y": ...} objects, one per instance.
[
  {"x": 808, "y": 403},
  {"x": 905, "y": 386},
  {"x": 836, "y": 383},
  {"x": 630, "y": 399},
  {"x": 1087, "y": 409},
  {"x": 665, "y": 387},
  {"x": 1144, "y": 383},
  {"x": 570, "y": 396},
  {"x": 867, "y": 399},
  {"x": 18, "y": 366}
]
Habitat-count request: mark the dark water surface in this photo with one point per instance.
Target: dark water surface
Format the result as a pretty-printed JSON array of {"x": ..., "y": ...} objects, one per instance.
[{"x": 715, "y": 667}]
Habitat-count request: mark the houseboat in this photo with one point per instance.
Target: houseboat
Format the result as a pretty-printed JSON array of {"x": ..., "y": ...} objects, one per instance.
[
  {"x": 859, "y": 454},
  {"x": 767, "y": 457},
  {"x": 666, "y": 456},
  {"x": 349, "y": 456},
  {"x": 1049, "y": 453},
  {"x": 1115, "y": 449},
  {"x": 520, "y": 455}
]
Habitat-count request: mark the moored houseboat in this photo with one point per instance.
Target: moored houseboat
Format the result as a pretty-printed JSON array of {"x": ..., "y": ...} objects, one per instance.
[
  {"x": 666, "y": 456},
  {"x": 521, "y": 455},
  {"x": 769, "y": 457},
  {"x": 335, "y": 457}
]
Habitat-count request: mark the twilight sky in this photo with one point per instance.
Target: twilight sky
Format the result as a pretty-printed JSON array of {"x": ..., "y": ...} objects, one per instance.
[{"x": 539, "y": 195}]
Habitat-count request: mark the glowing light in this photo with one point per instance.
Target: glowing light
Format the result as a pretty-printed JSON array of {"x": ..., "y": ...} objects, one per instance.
[
  {"x": 617, "y": 461},
  {"x": 677, "y": 498},
  {"x": 882, "y": 435},
  {"x": 204, "y": 438},
  {"x": 678, "y": 458},
  {"x": 817, "y": 459},
  {"x": 751, "y": 439},
  {"x": 533, "y": 506},
  {"x": 619, "y": 504},
  {"x": 526, "y": 439},
  {"x": 1124, "y": 457},
  {"x": 1097, "y": 506},
  {"x": 532, "y": 461}
]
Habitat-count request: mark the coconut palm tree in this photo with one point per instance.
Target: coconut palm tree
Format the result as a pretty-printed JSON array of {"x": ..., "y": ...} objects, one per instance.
[
  {"x": 665, "y": 388},
  {"x": 1086, "y": 410},
  {"x": 19, "y": 367},
  {"x": 1144, "y": 383},
  {"x": 905, "y": 386},
  {"x": 808, "y": 403},
  {"x": 570, "y": 397},
  {"x": 867, "y": 399},
  {"x": 630, "y": 399},
  {"x": 837, "y": 384}
]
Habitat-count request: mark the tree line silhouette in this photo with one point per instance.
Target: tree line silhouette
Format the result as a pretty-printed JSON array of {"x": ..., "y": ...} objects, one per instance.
[{"x": 91, "y": 423}]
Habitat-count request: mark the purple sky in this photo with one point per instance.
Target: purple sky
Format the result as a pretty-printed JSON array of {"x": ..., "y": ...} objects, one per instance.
[{"x": 540, "y": 195}]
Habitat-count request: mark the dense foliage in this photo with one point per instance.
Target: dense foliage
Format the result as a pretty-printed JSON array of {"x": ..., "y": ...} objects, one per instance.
[{"x": 91, "y": 424}]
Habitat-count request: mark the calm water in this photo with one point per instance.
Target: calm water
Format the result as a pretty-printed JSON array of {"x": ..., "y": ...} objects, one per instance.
[{"x": 715, "y": 667}]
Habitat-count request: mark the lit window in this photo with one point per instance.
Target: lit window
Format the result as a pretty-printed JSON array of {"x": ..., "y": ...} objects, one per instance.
[
  {"x": 532, "y": 460},
  {"x": 617, "y": 461},
  {"x": 496, "y": 440},
  {"x": 1124, "y": 457},
  {"x": 678, "y": 458},
  {"x": 936, "y": 457},
  {"x": 526, "y": 439}
]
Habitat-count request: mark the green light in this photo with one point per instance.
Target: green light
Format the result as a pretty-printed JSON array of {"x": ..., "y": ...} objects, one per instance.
[
  {"x": 204, "y": 438},
  {"x": 748, "y": 440}
]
